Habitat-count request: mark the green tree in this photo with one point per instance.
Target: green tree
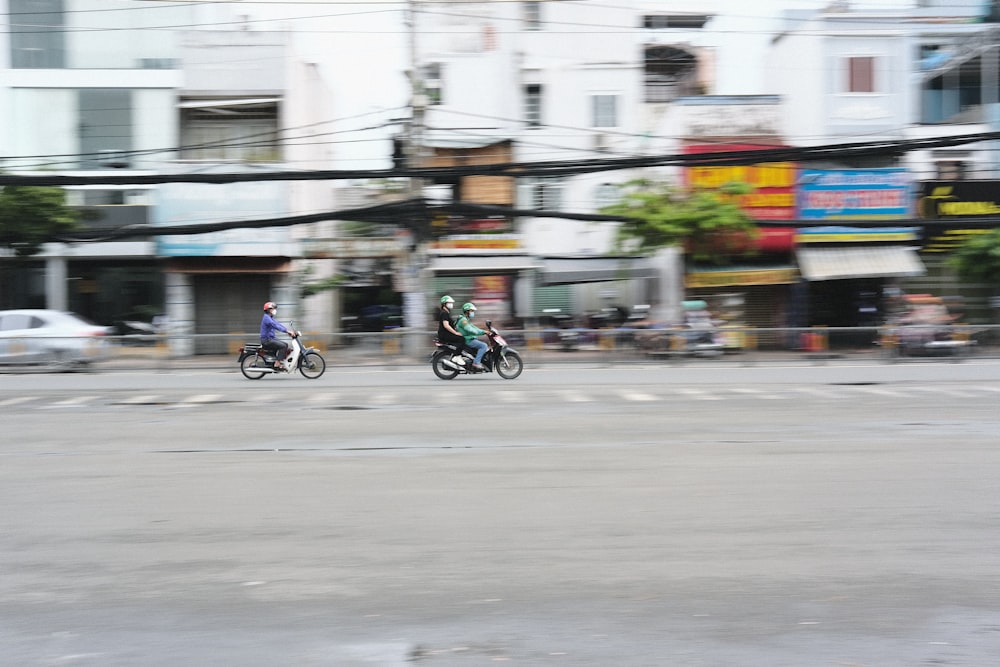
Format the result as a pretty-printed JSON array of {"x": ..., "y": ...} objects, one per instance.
[
  {"x": 978, "y": 259},
  {"x": 30, "y": 216},
  {"x": 710, "y": 225}
]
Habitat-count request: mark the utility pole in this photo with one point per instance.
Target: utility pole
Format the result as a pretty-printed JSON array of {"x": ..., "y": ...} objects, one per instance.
[{"x": 415, "y": 312}]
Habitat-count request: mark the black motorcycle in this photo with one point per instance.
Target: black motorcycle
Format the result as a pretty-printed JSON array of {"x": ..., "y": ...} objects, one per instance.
[{"x": 448, "y": 361}]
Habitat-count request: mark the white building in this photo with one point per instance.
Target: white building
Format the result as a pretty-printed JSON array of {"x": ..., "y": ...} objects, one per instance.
[{"x": 117, "y": 87}]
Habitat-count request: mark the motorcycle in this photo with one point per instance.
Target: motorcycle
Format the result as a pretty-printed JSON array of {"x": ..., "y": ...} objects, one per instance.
[
  {"x": 255, "y": 362},
  {"x": 448, "y": 361}
]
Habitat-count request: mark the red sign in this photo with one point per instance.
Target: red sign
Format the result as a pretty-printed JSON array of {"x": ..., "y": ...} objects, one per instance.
[{"x": 773, "y": 183}]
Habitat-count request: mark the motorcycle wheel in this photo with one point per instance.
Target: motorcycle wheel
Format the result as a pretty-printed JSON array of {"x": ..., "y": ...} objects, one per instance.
[
  {"x": 509, "y": 366},
  {"x": 312, "y": 365},
  {"x": 249, "y": 367},
  {"x": 442, "y": 371}
]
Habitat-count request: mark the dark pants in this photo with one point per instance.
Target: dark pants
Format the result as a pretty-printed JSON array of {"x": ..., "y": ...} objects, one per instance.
[{"x": 276, "y": 347}]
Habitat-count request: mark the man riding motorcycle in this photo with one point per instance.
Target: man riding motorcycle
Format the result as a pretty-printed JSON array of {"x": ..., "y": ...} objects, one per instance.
[
  {"x": 471, "y": 332},
  {"x": 268, "y": 334}
]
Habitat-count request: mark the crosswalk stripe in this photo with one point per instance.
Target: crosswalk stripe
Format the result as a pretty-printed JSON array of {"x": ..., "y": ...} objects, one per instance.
[
  {"x": 17, "y": 400},
  {"x": 511, "y": 396},
  {"x": 384, "y": 399},
  {"x": 879, "y": 392},
  {"x": 76, "y": 400},
  {"x": 700, "y": 394},
  {"x": 756, "y": 393},
  {"x": 636, "y": 396},
  {"x": 321, "y": 399},
  {"x": 199, "y": 399},
  {"x": 139, "y": 400}
]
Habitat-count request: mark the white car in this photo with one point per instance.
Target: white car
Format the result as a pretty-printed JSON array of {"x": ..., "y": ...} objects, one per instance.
[{"x": 50, "y": 337}]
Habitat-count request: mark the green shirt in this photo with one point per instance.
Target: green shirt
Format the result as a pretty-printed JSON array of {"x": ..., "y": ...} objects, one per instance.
[{"x": 467, "y": 328}]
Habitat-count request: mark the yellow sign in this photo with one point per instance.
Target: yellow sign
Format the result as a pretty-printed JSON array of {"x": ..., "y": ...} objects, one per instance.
[{"x": 782, "y": 276}]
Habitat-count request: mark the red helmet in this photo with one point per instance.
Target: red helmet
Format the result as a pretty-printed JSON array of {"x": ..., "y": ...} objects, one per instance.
[{"x": 269, "y": 305}]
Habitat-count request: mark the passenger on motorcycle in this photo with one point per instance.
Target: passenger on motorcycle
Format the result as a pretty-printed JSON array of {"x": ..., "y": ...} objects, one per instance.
[
  {"x": 446, "y": 325},
  {"x": 470, "y": 332},
  {"x": 269, "y": 327}
]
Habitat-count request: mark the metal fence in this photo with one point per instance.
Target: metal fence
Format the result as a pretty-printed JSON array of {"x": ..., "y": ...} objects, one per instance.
[{"x": 540, "y": 346}]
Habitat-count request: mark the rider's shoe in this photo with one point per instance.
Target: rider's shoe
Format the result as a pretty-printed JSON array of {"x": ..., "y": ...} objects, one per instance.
[
  {"x": 479, "y": 368},
  {"x": 457, "y": 359}
]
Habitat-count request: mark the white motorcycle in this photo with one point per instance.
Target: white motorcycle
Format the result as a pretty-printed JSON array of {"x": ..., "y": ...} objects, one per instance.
[{"x": 256, "y": 362}]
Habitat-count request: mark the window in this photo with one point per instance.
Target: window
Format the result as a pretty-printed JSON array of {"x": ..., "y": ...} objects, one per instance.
[
  {"x": 37, "y": 35},
  {"x": 860, "y": 74},
  {"x": 662, "y": 21},
  {"x": 532, "y": 15},
  {"x": 231, "y": 130},
  {"x": 541, "y": 192},
  {"x": 604, "y": 110},
  {"x": 533, "y": 104},
  {"x": 105, "y": 127},
  {"x": 669, "y": 73},
  {"x": 431, "y": 76},
  {"x": 950, "y": 170}
]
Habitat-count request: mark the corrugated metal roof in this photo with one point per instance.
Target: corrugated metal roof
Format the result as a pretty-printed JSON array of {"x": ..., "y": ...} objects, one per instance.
[{"x": 867, "y": 262}]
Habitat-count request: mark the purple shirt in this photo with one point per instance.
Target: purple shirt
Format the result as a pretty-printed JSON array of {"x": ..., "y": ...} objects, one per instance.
[{"x": 269, "y": 326}]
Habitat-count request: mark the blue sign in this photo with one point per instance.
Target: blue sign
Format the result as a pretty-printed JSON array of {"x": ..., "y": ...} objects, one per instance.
[{"x": 853, "y": 194}]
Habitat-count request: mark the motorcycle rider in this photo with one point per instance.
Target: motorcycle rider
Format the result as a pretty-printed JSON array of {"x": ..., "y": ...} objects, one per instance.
[
  {"x": 268, "y": 332},
  {"x": 446, "y": 326},
  {"x": 470, "y": 332}
]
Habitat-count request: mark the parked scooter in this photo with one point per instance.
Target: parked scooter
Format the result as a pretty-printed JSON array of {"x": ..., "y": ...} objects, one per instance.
[
  {"x": 255, "y": 362},
  {"x": 448, "y": 361}
]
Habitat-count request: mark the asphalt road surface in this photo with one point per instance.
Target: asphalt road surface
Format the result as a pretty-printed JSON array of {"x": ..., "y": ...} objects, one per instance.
[{"x": 841, "y": 515}]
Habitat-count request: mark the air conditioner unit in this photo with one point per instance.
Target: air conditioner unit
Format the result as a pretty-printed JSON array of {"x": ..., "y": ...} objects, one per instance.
[{"x": 601, "y": 142}]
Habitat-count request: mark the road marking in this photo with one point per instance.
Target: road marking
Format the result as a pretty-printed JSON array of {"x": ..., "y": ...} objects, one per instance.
[
  {"x": 574, "y": 396},
  {"x": 16, "y": 400},
  {"x": 323, "y": 399},
  {"x": 447, "y": 397},
  {"x": 384, "y": 399},
  {"x": 636, "y": 396},
  {"x": 73, "y": 402},
  {"x": 200, "y": 399},
  {"x": 508, "y": 396},
  {"x": 757, "y": 393},
  {"x": 139, "y": 400},
  {"x": 824, "y": 394},
  {"x": 700, "y": 395},
  {"x": 879, "y": 392}
]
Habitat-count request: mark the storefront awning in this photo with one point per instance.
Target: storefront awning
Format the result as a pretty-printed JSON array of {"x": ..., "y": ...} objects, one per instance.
[
  {"x": 573, "y": 270},
  {"x": 481, "y": 264},
  {"x": 867, "y": 262}
]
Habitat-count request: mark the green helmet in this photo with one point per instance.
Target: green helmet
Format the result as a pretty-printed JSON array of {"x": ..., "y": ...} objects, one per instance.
[
  {"x": 446, "y": 299},
  {"x": 466, "y": 307}
]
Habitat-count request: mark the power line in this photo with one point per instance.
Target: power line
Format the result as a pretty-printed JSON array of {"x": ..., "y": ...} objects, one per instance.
[{"x": 832, "y": 152}]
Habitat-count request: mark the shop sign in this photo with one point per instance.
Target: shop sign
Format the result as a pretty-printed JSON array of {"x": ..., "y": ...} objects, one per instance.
[
  {"x": 856, "y": 235},
  {"x": 773, "y": 183},
  {"x": 954, "y": 200},
  {"x": 845, "y": 194},
  {"x": 957, "y": 199},
  {"x": 188, "y": 203},
  {"x": 352, "y": 248},
  {"x": 777, "y": 276},
  {"x": 947, "y": 240},
  {"x": 484, "y": 242},
  {"x": 442, "y": 224}
]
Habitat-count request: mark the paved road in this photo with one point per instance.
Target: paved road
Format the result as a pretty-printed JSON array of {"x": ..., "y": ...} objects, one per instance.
[{"x": 585, "y": 517}]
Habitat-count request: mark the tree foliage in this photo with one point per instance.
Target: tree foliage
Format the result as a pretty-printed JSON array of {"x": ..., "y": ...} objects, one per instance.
[
  {"x": 710, "y": 225},
  {"x": 33, "y": 215},
  {"x": 978, "y": 259}
]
